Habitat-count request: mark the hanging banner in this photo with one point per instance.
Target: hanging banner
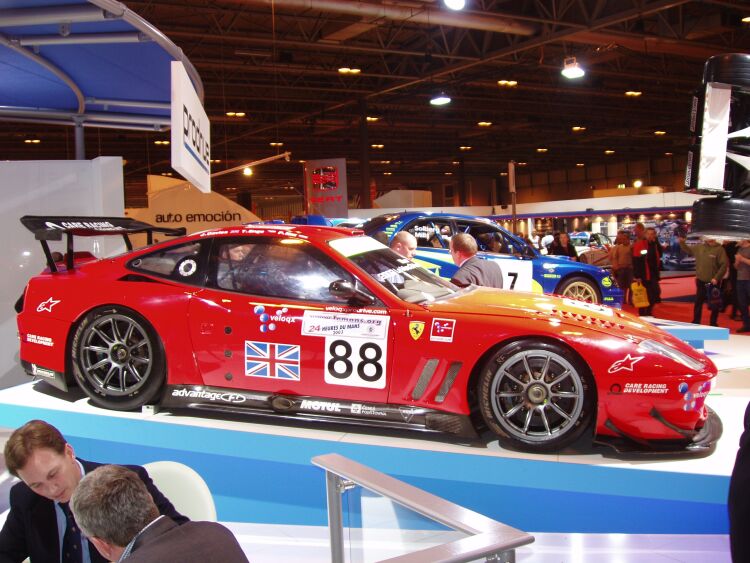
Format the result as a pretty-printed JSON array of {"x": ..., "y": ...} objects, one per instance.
[
  {"x": 325, "y": 187},
  {"x": 191, "y": 131}
]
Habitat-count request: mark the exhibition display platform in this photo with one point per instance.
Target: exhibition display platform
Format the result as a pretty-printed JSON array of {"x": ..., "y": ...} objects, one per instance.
[{"x": 259, "y": 469}]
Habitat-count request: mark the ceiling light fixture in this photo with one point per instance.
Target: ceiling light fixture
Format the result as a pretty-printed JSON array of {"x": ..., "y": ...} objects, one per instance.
[
  {"x": 371, "y": 118},
  {"x": 580, "y": 164},
  {"x": 542, "y": 149},
  {"x": 464, "y": 148},
  {"x": 247, "y": 171},
  {"x": 660, "y": 133},
  {"x": 521, "y": 163},
  {"x": 609, "y": 151},
  {"x": 387, "y": 173},
  {"x": 276, "y": 143},
  {"x": 161, "y": 142},
  {"x": 440, "y": 99},
  {"x": 507, "y": 83},
  {"x": 571, "y": 69},
  {"x": 348, "y": 70},
  {"x": 377, "y": 146},
  {"x": 385, "y": 162},
  {"x": 637, "y": 183},
  {"x": 235, "y": 114},
  {"x": 448, "y": 173},
  {"x": 746, "y": 19},
  {"x": 455, "y": 4},
  {"x": 633, "y": 93},
  {"x": 668, "y": 154},
  {"x": 577, "y": 128},
  {"x": 484, "y": 123}
]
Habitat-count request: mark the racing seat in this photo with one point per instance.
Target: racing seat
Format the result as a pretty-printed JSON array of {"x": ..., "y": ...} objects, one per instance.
[{"x": 185, "y": 488}]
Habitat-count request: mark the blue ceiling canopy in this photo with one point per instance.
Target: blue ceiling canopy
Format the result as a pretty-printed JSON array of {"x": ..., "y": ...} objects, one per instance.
[{"x": 86, "y": 63}]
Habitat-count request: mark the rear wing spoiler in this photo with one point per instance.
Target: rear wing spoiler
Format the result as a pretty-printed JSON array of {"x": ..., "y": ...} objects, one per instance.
[{"x": 46, "y": 228}]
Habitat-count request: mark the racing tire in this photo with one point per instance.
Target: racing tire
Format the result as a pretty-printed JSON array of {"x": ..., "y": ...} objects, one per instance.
[
  {"x": 117, "y": 358},
  {"x": 536, "y": 396},
  {"x": 730, "y": 68},
  {"x": 721, "y": 218},
  {"x": 582, "y": 289}
]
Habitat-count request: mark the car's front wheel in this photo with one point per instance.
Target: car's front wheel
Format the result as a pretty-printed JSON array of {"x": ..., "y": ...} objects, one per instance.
[
  {"x": 579, "y": 288},
  {"x": 117, "y": 358},
  {"x": 536, "y": 396}
]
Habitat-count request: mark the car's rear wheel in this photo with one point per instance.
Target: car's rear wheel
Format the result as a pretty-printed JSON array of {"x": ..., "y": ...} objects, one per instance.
[
  {"x": 579, "y": 288},
  {"x": 536, "y": 396},
  {"x": 117, "y": 358}
]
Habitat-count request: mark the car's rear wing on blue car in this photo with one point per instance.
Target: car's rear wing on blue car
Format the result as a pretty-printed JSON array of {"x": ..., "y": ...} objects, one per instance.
[{"x": 52, "y": 227}]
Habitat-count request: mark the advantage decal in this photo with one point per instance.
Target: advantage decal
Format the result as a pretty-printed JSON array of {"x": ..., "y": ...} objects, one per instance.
[
  {"x": 626, "y": 363},
  {"x": 416, "y": 328},
  {"x": 319, "y": 323},
  {"x": 233, "y": 398},
  {"x": 42, "y": 340},
  {"x": 47, "y": 305},
  {"x": 272, "y": 360},
  {"x": 442, "y": 330}
]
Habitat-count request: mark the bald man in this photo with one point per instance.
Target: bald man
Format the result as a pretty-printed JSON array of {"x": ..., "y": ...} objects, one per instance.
[{"x": 405, "y": 244}]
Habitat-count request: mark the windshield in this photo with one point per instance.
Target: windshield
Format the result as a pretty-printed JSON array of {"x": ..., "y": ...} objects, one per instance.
[
  {"x": 579, "y": 239},
  {"x": 402, "y": 277}
]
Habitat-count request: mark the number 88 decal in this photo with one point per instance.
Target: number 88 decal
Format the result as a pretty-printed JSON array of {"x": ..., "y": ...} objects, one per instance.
[{"x": 355, "y": 362}]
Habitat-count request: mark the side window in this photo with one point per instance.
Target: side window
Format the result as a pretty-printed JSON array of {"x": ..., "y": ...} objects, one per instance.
[
  {"x": 430, "y": 233},
  {"x": 488, "y": 238},
  {"x": 179, "y": 263},
  {"x": 272, "y": 268}
]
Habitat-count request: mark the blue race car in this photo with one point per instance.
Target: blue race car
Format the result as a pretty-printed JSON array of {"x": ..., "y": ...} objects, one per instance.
[{"x": 523, "y": 268}]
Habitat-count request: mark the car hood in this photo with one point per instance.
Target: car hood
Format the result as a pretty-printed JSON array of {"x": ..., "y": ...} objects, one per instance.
[{"x": 516, "y": 304}]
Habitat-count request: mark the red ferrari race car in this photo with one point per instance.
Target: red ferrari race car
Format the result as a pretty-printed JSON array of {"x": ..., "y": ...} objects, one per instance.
[{"x": 327, "y": 324}]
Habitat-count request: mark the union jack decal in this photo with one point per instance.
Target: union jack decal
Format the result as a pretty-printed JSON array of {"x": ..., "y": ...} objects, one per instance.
[{"x": 272, "y": 360}]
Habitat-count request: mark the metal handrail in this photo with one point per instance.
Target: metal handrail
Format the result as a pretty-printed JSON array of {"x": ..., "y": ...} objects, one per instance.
[{"x": 487, "y": 537}]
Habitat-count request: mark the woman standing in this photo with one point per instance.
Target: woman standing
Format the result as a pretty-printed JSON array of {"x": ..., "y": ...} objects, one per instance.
[
  {"x": 621, "y": 258},
  {"x": 563, "y": 247}
]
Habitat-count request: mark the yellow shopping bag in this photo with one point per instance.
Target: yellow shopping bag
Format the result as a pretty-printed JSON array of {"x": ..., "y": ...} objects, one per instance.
[{"x": 640, "y": 295}]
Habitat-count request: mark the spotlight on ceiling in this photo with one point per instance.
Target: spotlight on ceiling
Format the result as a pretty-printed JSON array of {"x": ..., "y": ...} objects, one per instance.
[
  {"x": 455, "y": 4},
  {"x": 571, "y": 68},
  {"x": 440, "y": 99}
]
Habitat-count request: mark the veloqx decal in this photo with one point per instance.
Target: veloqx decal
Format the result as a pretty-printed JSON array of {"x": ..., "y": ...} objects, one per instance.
[
  {"x": 442, "y": 330},
  {"x": 626, "y": 363},
  {"x": 272, "y": 360},
  {"x": 47, "y": 305},
  {"x": 268, "y": 320},
  {"x": 416, "y": 328}
]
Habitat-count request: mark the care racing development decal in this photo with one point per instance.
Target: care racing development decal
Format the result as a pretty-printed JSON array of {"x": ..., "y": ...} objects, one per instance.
[
  {"x": 41, "y": 340},
  {"x": 626, "y": 363},
  {"x": 47, "y": 305},
  {"x": 356, "y": 347}
]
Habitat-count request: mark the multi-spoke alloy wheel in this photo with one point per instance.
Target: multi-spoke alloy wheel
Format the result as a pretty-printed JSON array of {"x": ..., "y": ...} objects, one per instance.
[
  {"x": 117, "y": 358},
  {"x": 536, "y": 396},
  {"x": 581, "y": 289}
]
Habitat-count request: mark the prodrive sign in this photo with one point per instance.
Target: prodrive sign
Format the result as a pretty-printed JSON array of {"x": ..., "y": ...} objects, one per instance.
[{"x": 191, "y": 131}]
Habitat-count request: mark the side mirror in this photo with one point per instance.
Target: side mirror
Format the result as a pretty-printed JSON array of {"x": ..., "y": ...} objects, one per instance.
[{"x": 347, "y": 290}]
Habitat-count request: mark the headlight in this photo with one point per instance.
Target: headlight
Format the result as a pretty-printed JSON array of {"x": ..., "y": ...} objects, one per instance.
[{"x": 669, "y": 352}]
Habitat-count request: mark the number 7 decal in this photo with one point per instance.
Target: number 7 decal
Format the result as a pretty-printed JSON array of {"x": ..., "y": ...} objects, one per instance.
[{"x": 513, "y": 275}]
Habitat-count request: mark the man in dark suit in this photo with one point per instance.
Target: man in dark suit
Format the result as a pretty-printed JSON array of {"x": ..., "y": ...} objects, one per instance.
[
  {"x": 471, "y": 269},
  {"x": 39, "y": 524},
  {"x": 114, "y": 509}
]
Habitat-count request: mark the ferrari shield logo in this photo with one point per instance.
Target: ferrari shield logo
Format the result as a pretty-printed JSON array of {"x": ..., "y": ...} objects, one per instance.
[{"x": 416, "y": 328}]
